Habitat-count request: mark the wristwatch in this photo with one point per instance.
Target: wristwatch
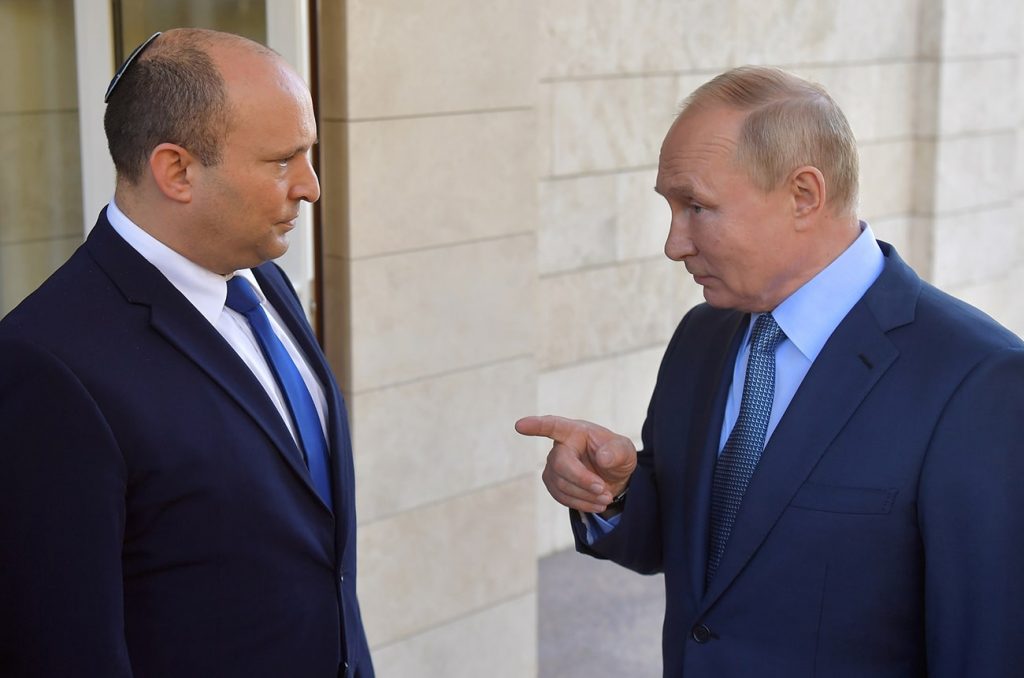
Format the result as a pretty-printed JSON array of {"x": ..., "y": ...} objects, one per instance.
[{"x": 617, "y": 505}]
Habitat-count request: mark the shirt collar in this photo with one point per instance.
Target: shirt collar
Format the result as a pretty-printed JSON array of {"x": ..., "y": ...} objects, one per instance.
[
  {"x": 204, "y": 289},
  {"x": 810, "y": 315}
]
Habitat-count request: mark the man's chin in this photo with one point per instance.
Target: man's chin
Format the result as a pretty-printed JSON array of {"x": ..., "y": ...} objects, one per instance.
[
  {"x": 718, "y": 300},
  {"x": 278, "y": 248}
]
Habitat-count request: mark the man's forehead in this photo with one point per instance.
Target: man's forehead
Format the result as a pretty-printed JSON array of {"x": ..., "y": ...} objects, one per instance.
[{"x": 699, "y": 140}]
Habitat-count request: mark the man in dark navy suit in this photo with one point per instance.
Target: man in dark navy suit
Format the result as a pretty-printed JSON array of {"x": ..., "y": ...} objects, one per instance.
[
  {"x": 832, "y": 472},
  {"x": 176, "y": 484}
]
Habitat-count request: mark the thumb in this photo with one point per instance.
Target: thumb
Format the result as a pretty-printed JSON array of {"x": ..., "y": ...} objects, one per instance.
[{"x": 616, "y": 457}]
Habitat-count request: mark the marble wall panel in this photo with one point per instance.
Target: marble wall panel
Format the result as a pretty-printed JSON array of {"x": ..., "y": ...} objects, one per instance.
[
  {"x": 878, "y": 98},
  {"x": 792, "y": 32},
  {"x": 886, "y": 179},
  {"x": 433, "y": 311},
  {"x": 597, "y": 219},
  {"x": 613, "y": 391},
  {"x": 335, "y": 333},
  {"x": 925, "y": 169},
  {"x": 424, "y": 182},
  {"x": 1019, "y": 120},
  {"x": 545, "y": 118},
  {"x": 978, "y": 94},
  {"x": 930, "y": 18},
  {"x": 577, "y": 224},
  {"x": 612, "y": 124},
  {"x": 999, "y": 297},
  {"x": 926, "y": 92},
  {"x": 897, "y": 231},
  {"x": 40, "y": 186},
  {"x": 582, "y": 391},
  {"x": 24, "y": 266},
  {"x": 978, "y": 246},
  {"x": 37, "y": 44},
  {"x": 331, "y": 57},
  {"x": 581, "y": 38},
  {"x": 642, "y": 216},
  {"x": 973, "y": 171},
  {"x": 335, "y": 204},
  {"x": 498, "y": 642},
  {"x": 595, "y": 312},
  {"x": 975, "y": 27},
  {"x": 553, "y": 531},
  {"x": 437, "y": 438},
  {"x": 635, "y": 375},
  {"x": 920, "y": 251},
  {"x": 407, "y": 58},
  {"x": 421, "y": 569}
]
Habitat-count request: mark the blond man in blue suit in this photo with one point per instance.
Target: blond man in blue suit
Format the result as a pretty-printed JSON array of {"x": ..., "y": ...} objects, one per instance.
[{"x": 832, "y": 472}]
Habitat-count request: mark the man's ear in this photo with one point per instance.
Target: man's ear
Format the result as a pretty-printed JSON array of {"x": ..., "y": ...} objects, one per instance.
[
  {"x": 807, "y": 188},
  {"x": 172, "y": 167}
]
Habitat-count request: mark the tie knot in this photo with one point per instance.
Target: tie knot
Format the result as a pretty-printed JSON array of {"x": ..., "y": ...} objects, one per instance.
[
  {"x": 767, "y": 335},
  {"x": 241, "y": 295}
]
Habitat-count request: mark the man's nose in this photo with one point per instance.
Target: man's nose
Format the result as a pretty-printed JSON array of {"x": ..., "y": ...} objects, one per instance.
[
  {"x": 307, "y": 185},
  {"x": 679, "y": 244}
]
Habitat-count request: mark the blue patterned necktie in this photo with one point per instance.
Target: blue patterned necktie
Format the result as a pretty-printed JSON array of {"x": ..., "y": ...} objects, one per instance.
[
  {"x": 244, "y": 299},
  {"x": 746, "y": 440}
]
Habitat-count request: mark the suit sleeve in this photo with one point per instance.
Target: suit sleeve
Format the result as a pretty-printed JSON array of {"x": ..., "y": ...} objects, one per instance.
[
  {"x": 635, "y": 542},
  {"x": 62, "y": 514},
  {"x": 971, "y": 514}
]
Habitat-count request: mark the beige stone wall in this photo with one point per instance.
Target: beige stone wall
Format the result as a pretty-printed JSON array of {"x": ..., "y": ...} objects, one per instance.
[
  {"x": 429, "y": 136},
  {"x": 931, "y": 88},
  {"x": 40, "y": 179},
  {"x": 494, "y": 247},
  {"x": 971, "y": 209}
]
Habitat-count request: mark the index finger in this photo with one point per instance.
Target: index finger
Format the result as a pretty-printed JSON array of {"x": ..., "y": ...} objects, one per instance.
[{"x": 550, "y": 426}]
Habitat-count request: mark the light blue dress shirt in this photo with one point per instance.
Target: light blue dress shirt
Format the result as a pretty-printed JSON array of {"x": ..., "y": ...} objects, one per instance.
[{"x": 808, "y": 317}]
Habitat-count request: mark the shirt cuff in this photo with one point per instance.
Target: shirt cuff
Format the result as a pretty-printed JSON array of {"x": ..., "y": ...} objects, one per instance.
[{"x": 596, "y": 526}]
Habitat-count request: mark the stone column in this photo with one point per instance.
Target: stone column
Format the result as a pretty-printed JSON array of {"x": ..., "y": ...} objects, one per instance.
[
  {"x": 970, "y": 143},
  {"x": 429, "y": 181}
]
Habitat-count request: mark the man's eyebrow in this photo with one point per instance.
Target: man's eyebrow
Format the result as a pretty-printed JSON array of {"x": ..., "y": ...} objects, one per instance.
[
  {"x": 295, "y": 150},
  {"x": 682, "y": 190}
]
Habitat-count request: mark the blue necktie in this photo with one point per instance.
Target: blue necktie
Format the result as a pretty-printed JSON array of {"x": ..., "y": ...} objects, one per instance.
[
  {"x": 743, "y": 448},
  {"x": 244, "y": 299}
]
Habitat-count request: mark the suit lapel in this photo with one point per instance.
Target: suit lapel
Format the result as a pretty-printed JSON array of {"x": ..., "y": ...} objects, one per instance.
[
  {"x": 174, "y": 318},
  {"x": 281, "y": 297},
  {"x": 853, "y": 360}
]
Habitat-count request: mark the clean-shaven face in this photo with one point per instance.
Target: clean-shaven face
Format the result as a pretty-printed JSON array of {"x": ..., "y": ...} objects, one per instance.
[
  {"x": 733, "y": 237},
  {"x": 251, "y": 198}
]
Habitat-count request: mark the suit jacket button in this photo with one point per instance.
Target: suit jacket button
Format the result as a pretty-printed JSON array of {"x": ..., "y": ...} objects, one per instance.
[{"x": 701, "y": 633}]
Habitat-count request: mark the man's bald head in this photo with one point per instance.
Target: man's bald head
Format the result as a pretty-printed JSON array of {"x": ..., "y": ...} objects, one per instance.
[{"x": 175, "y": 92}]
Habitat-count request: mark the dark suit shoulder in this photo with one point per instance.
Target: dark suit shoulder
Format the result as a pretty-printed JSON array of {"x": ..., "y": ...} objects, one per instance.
[
  {"x": 956, "y": 322},
  {"x": 65, "y": 302},
  {"x": 704, "y": 322}
]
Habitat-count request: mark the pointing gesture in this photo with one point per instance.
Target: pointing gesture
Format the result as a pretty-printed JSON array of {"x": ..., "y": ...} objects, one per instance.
[{"x": 588, "y": 464}]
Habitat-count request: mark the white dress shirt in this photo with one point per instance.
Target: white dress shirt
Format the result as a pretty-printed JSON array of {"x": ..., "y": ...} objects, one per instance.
[{"x": 206, "y": 291}]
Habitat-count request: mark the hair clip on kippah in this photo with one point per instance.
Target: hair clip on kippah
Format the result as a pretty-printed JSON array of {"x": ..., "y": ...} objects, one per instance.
[{"x": 127, "y": 63}]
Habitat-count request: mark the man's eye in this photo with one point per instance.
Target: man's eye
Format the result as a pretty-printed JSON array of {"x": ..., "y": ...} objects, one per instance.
[{"x": 696, "y": 209}]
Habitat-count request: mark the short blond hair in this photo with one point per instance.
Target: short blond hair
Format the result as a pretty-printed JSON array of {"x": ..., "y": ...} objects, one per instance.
[{"x": 790, "y": 123}]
